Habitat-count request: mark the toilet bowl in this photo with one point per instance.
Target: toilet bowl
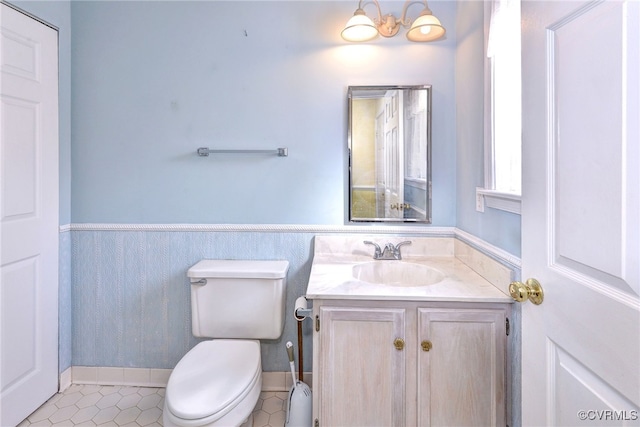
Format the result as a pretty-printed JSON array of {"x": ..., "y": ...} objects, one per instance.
[
  {"x": 217, "y": 383},
  {"x": 234, "y": 303}
]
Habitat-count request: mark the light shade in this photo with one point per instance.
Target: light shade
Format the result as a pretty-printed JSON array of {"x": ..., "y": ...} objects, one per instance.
[
  {"x": 359, "y": 28},
  {"x": 425, "y": 28}
]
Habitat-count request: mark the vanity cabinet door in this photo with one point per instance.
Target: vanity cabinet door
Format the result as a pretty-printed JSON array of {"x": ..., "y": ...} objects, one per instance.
[
  {"x": 361, "y": 372},
  {"x": 461, "y": 367}
]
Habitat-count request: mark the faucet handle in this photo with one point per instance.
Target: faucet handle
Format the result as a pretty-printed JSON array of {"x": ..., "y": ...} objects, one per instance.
[
  {"x": 378, "y": 251},
  {"x": 406, "y": 242},
  {"x": 396, "y": 250}
]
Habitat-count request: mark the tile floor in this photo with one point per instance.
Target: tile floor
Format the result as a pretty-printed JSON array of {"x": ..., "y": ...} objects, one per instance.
[{"x": 115, "y": 406}]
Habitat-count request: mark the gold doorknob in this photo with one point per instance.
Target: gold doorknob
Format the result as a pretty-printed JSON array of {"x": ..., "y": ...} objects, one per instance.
[
  {"x": 398, "y": 343},
  {"x": 426, "y": 345},
  {"x": 530, "y": 290}
]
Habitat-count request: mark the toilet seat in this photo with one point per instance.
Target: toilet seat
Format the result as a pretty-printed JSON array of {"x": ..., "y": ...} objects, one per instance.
[{"x": 212, "y": 379}]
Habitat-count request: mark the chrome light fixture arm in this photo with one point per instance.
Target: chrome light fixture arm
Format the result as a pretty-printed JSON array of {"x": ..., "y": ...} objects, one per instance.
[
  {"x": 363, "y": 3},
  {"x": 388, "y": 25},
  {"x": 406, "y": 23}
]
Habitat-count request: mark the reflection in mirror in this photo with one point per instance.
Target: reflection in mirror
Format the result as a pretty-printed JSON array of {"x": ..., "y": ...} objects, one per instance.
[{"x": 390, "y": 153}]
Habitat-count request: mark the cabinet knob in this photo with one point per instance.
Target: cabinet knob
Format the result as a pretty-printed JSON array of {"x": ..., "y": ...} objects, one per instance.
[
  {"x": 426, "y": 345},
  {"x": 398, "y": 343}
]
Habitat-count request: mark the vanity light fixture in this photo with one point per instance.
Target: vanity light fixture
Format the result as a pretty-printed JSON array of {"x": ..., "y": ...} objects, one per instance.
[{"x": 361, "y": 28}]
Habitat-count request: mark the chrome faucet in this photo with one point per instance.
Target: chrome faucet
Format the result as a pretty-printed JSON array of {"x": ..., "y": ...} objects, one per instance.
[{"x": 390, "y": 251}]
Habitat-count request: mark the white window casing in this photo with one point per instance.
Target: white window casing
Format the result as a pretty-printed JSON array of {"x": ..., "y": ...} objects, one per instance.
[{"x": 502, "y": 136}]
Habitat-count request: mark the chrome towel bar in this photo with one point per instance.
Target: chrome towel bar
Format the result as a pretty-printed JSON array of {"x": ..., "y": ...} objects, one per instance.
[{"x": 281, "y": 152}]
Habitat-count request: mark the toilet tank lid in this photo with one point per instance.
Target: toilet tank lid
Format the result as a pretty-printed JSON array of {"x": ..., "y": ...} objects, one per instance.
[{"x": 239, "y": 269}]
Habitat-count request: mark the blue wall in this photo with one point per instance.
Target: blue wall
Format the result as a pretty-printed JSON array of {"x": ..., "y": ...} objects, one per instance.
[
  {"x": 143, "y": 84},
  {"x": 153, "y": 81},
  {"x": 500, "y": 228}
]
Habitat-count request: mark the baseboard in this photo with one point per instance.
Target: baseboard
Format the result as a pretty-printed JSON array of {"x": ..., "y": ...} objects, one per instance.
[
  {"x": 282, "y": 381},
  {"x": 141, "y": 377},
  {"x": 144, "y": 377},
  {"x": 64, "y": 380}
]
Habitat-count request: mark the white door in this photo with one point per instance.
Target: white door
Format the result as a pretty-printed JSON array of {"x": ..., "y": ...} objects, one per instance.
[
  {"x": 394, "y": 155},
  {"x": 28, "y": 215},
  {"x": 580, "y": 212},
  {"x": 380, "y": 165}
]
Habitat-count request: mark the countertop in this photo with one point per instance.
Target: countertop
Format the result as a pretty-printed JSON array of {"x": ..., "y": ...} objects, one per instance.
[{"x": 331, "y": 278}]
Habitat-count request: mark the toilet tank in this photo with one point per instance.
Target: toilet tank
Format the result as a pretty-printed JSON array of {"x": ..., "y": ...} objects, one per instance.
[{"x": 238, "y": 298}]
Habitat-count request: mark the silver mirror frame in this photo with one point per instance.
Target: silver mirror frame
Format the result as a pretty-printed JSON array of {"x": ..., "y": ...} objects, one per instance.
[{"x": 423, "y": 183}]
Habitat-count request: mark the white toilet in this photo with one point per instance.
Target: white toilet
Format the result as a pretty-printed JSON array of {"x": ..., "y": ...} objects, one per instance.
[{"x": 218, "y": 382}]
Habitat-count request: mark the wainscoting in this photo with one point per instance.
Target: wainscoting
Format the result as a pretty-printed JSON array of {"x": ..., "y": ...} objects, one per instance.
[{"x": 124, "y": 295}]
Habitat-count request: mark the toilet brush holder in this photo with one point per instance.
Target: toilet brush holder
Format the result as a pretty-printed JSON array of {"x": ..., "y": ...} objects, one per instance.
[{"x": 299, "y": 402}]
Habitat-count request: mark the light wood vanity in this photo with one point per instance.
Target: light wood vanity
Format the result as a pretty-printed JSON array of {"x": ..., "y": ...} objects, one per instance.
[{"x": 383, "y": 355}]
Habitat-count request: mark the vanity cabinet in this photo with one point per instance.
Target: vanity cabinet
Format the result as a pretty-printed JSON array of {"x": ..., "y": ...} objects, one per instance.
[{"x": 407, "y": 363}]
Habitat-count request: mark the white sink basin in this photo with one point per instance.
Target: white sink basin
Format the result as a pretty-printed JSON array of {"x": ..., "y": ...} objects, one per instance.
[{"x": 397, "y": 273}]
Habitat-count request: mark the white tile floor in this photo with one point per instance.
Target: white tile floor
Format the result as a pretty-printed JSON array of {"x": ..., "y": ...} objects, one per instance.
[{"x": 116, "y": 406}]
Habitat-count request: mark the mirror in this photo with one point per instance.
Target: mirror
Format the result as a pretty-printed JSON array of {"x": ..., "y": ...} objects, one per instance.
[{"x": 389, "y": 140}]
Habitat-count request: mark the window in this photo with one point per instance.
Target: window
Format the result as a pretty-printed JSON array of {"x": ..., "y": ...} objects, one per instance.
[{"x": 503, "y": 135}]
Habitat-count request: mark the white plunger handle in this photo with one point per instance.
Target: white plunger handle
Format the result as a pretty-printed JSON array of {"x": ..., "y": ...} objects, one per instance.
[
  {"x": 290, "y": 350},
  {"x": 289, "y": 346}
]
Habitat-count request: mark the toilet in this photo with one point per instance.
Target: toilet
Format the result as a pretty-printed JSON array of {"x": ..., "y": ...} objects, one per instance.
[{"x": 235, "y": 303}]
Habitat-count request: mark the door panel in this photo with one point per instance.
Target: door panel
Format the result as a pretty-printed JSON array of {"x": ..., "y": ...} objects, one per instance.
[
  {"x": 380, "y": 166},
  {"x": 580, "y": 211},
  {"x": 18, "y": 281},
  {"x": 579, "y": 389},
  {"x": 28, "y": 215},
  {"x": 590, "y": 187},
  {"x": 19, "y": 160},
  {"x": 394, "y": 154}
]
